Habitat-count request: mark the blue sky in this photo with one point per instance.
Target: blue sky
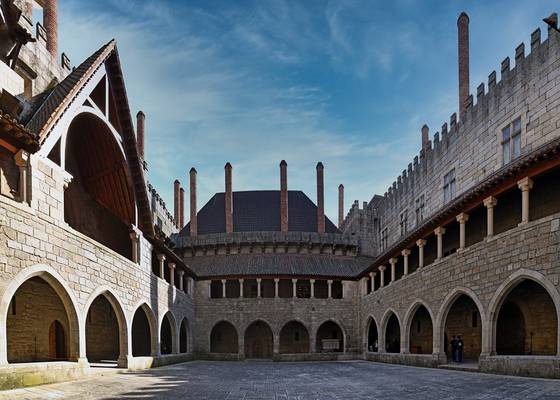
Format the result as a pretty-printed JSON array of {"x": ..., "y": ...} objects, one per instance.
[{"x": 348, "y": 83}]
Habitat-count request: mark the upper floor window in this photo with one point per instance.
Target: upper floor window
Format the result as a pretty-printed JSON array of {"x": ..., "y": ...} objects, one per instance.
[
  {"x": 404, "y": 222},
  {"x": 384, "y": 239},
  {"x": 449, "y": 186},
  {"x": 511, "y": 141},
  {"x": 419, "y": 209}
]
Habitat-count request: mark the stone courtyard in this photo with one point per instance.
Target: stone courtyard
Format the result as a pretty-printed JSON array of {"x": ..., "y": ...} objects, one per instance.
[{"x": 254, "y": 380}]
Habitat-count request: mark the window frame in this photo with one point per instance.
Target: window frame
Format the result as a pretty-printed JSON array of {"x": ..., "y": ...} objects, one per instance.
[{"x": 510, "y": 144}]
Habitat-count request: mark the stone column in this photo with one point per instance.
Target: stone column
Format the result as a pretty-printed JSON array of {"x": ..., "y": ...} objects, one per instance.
[
  {"x": 405, "y": 253},
  {"x": 21, "y": 159},
  {"x": 134, "y": 239},
  {"x": 294, "y": 288},
  {"x": 364, "y": 286},
  {"x": 312, "y": 283},
  {"x": 329, "y": 284},
  {"x": 259, "y": 287},
  {"x": 276, "y": 281},
  {"x": 393, "y": 262},
  {"x": 525, "y": 185},
  {"x": 372, "y": 278},
  {"x": 171, "y": 274},
  {"x": 161, "y": 259},
  {"x": 181, "y": 277},
  {"x": 439, "y": 231},
  {"x": 490, "y": 203},
  {"x": 462, "y": 219},
  {"x": 241, "y": 281},
  {"x": 382, "y": 276},
  {"x": 224, "y": 288},
  {"x": 420, "y": 243}
]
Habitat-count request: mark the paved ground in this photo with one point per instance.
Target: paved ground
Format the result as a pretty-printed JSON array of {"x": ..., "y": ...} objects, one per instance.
[{"x": 295, "y": 381}]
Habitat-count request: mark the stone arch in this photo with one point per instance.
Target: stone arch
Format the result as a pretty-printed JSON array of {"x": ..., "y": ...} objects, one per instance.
[
  {"x": 330, "y": 330},
  {"x": 224, "y": 338},
  {"x": 371, "y": 335},
  {"x": 168, "y": 333},
  {"x": 184, "y": 336},
  {"x": 391, "y": 332},
  {"x": 421, "y": 342},
  {"x": 447, "y": 304},
  {"x": 144, "y": 331},
  {"x": 122, "y": 324},
  {"x": 258, "y": 340},
  {"x": 57, "y": 284},
  {"x": 506, "y": 288},
  {"x": 294, "y": 338}
]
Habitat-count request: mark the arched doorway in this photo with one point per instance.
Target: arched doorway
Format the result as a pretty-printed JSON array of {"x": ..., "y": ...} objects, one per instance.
[
  {"x": 330, "y": 338},
  {"x": 141, "y": 333},
  {"x": 102, "y": 332},
  {"x": 463, "y": 319},
  {"x": 183, "y": 337},
  {"x": 294, "y": 338},
  {"x": 393, "y": 335},
  {"x": 224, "y": 339},
  {"x": 373, "y": 340},
  {"x": 41, "y": 323},
  {"x": 527, "y": 321},
  {"x": 166, "y": 335},
  {"x": 258, "y": 340},
  {"x": 421, "y": 332}
]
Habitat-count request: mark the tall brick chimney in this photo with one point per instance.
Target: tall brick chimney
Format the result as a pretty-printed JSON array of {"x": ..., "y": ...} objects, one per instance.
[
  {"x": 320, "y": 199},
  {"x": 229, "y": 199},
  {"x": 140, "y": 118},
  {"x": 194, "y": 219},
  {"x": 425, "y": 137},
  {"x": 28, "y": 11},
  {"x": 176, "y": 198},
  {"x": 284, "y": 196},
  {"x": 181, "y": 208},
  {"x": 340, "y": 205},
  {"x": 50, "y": 21},
  {"x": 463, "y": 31}
]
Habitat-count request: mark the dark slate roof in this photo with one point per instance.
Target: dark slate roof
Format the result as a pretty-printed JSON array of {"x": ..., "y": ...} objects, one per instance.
[
  {"x": 278, "y": 265},
  {"x": 259, "y": 211}
]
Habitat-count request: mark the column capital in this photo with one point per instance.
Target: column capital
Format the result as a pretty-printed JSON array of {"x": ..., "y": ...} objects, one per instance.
[
  {"x": 462, "y": 218},
  {"x": 294, "y": 280},
  {"x": 224, "y": 280},
  {"x": 181, "y": 273},
  {"x": 276, "y": 280},
  {"x": 392, "y": 260},
  {"x": 134, "y": 235},
  {"x": 490, "y": 202},
  {"x": 241, "y": 280},
  {"x": 440, "y": 230},
  {"x": 421, "y": 242},
  {"x": 405, "y": 252},
  {"x": 259, "y": 280},
  {"x": 382, "y": 268},
  {"x": 171, "y": 265},
  {"x": 525, "y": 184},
  {"x": 21, "y": 158},
  {"x": 330, "y": 281},
  {"x": 161, "y": 257},
  {"x": 371, "y": 274},
  {"x": 312, "y": 280}
]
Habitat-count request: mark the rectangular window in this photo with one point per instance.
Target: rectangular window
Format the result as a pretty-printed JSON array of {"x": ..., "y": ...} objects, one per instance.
[
  {"x": 384, "y": 239},
  {"x": 419, "y": 210},
  {"x": 404, "y": 222},
  {"x": 511, "y": 141},
  {"x": 449, "y": 186}
]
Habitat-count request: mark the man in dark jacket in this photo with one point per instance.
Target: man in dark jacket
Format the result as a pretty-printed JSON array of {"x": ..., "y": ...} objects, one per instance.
[
  {"x": 453, "y": 344},
  {"x": 460, "y": 345}
]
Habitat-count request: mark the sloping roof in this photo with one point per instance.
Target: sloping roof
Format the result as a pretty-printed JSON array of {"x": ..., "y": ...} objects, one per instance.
[
  {"x": 278, "y": 265},
  {"x": 259, "y": 211}
]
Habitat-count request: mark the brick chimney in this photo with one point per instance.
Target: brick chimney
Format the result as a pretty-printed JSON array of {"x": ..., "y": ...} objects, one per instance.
[
  {"x": 425, "y": 137},
  {"x": 284, "y": 196},
  {"x": 194, "y": 218},
  {"x": 320, "y": 199},
  {"x": 229, "y": 199},
  {"x": 140, "y": 118},
  {"x": 176, "y": 198},
  {"x": 463, "y": 33},
  {"x": 181, "y": 208},
  {"x": 28, "y": 10},
  {"x": 50, "y": 22},
  {"x": 340, "y": 205}
]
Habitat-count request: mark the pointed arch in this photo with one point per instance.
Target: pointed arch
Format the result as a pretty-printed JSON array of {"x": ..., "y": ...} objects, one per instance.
[
  {"x": 371, "y": 334},
  {"x": 144, "y": 331},
  {"x": 421, "y": 341},
  {"x": 184, "y": 336},
  {"x": 328, "y": 333},
  {"x": 168, "y": 333},
  {"x": 391, "y": 328}
]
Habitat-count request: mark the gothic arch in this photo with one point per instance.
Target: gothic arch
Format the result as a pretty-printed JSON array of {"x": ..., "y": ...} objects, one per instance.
[
  {"x": 384, "y": 324},
  {"x": 368, "y": 339},
  {"x": 339, "y": 326},
  {"x": 409, "y": 317},
  {"x": 173, "y": 334},
  {"x": 152, "y": 327},
  {"x": 299, "y": 342},
  {"x": 218, "y": 344}
]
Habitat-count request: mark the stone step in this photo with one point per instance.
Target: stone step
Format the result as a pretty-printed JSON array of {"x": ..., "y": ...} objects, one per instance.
[{"x": 465, "y": 367}]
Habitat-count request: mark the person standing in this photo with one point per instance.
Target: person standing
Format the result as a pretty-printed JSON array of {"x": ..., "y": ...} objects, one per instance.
[
  {"x": 460, "y": 345},
  {"x": 453, "y": 343}
]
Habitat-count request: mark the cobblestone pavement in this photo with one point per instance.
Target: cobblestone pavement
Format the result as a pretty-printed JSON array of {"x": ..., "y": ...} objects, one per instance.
[{"x": 294, "y": 381}]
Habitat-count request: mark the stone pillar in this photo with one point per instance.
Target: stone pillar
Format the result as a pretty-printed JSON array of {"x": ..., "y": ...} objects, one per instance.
[
  {"x": 161, "y": 259},
  {"x": 50, "y": 22},
  {"x": 276, "y": 282},
  {"x": 462, "y": 219},
  {"x": 372, "y": 278},
  {"x": 405, "y": 253},
  {"x": 363, "y": 285},
  {"x": 229, "y": 198},
  {"x": 490, "y": 203},
  {"x": 134, "y": 240},
  {"x": 193, "y": 227},
  {"x": 241, "y": 281},
  {"x": 320, "y": 199},
  {"x": 181, "y": 277},
  {"x": 329, "y": 285},
  {"x": 525, "y": 185},
  {"x": 393, "y": 262},
  {"x": 224, "y": 288},
  {"x": 439, "y": 232},
  {"x": 21, "y": 159},
  {"x": 284, "y": 196},
  {"x": 420, "y": 243},
  {"x": 171, "y": 274},
  {"x": 312, "y": 281},
  {"x": 382, "y": 276},
  {"x": 294, "y": 288},
  {"x": 259, "y": 287}
]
